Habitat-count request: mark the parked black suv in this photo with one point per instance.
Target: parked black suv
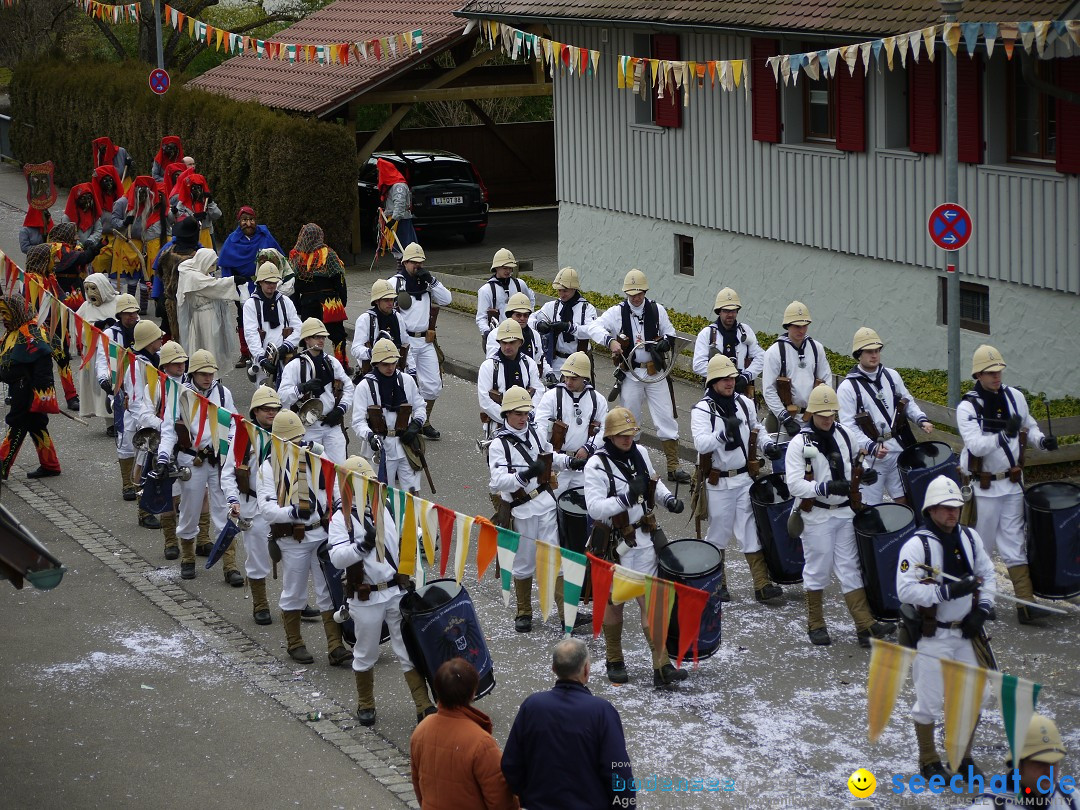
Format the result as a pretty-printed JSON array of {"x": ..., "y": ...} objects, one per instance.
[{"x": 448, "y": 195}]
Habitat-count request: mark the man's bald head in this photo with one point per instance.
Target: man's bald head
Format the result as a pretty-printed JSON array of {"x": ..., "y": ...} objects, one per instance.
[{"x": 570, "y": 661}]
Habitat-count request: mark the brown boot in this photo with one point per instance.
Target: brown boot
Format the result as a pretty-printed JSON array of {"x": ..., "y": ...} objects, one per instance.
[
  {"x": 420, "y": 696},
  {"x": 559, "y": 595},
  {"x": 187, "y": 559},
  {"x": 815, "y": 619},
  {"x": 523, "y": 593},
  {"x": 365, "y": 697},
  {"x": 230, "y": 569},
  {"x": 168, "y": 529},
  {"x": 294, "y": 642},
  {"x": 764, "y": 590},
  {"x": 429, "y": 430},
  {"x": 338, "y": 655},
  {"x": 203, "y": 543},
  {"x": 929, "y": 761},
  {"x": 865, "y": 626},
  {"x": 128, "y": 487},
  {"x": 260, "y": 607},
  {"x": 616, "y": 668},
  {"x": 722, "y": 593},
  {"x": 671, "y": 453},
  {"x": 1021, "y": 580}
]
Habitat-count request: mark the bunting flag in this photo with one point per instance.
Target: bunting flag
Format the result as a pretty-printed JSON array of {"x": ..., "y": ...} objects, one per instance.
[
  {"x": 659, "y": 600},
  {"x": 603, "y": 573},
  {"x": 427, "y": 516},
  {"x": 548, "y": 567},
  {"x": 486, "y": 545},
  {"x": 508, "y": 545},
  {"x": 626, "y": 584},
  {"x": 965, "y": 688},
  {"x": 409, "y": 538},
  {"x": 1017, "y": 698},
  {"x": 692, "y": 603},
  {"x": 461, "y": 550},
  {"x": 573, "y": 572},
  {"x": 889, "y": 665},
  {"x": 447, "y": 517}
]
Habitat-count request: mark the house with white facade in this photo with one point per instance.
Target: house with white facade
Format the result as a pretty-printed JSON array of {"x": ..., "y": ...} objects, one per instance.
[{"x": 820, "y": 190}]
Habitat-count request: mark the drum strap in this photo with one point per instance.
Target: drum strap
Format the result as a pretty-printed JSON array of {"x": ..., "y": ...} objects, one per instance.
[
  {"x": 977, "y": 404},
  {"x": 873, "y": 388},
  {"x": 925, "y": 534},
  {"x": 558, "y": 401},
  {"x": 808, "y": 343}
]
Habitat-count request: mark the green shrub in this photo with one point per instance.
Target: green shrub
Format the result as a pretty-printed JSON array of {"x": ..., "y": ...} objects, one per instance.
[{"x": 291, "y": 170}]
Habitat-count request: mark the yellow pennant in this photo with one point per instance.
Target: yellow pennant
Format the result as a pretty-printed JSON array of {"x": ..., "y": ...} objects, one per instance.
[
  {"x": 626, "y": 584},
  {"x": 889, "y": 665},
  {"x": 548, "y": 566},
  {"x": 427, "y": 514},
  {"x": 407, "y": 544},
  {"x": 461, "y": 552}
]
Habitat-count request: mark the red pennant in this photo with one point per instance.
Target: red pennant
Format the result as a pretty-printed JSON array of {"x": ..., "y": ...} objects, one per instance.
[
  {"x": 486, "y": 545},
  {"x": 240, "y": 439},
  {"x": 329, "y": 471},
  {"x": 204, "y": 407},
  {"x": 603, "y": 572},
  {"x": 345, "y": 489},
  {"x": 446, "y": 535},
  {"x": 691, "y": 604}
]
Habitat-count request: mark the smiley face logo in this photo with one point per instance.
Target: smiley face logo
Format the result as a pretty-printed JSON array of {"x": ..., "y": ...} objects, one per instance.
[{"x": 862, "y": 784}]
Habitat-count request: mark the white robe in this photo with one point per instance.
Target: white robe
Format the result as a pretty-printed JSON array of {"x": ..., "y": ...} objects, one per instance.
[
  {"x": 206, "y": 308},
  {"x": 91, "y": 397}
]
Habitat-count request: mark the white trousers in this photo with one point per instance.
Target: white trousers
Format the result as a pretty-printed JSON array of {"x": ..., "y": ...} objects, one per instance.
[
  {"x": 257, "y": 564},
  {"x": 659, "y": 405},
  {"x": 730, "y": 516},
  {"x": 428, "y": 374},
  {"x": 300, "y": 562},
  {"x": 543, "y": 526},
  {"x": 368, "y": 619},
  {"x": 830, "y": 545},
  {"x": 331, "y": 438},
  {"x": 1001, "y": 523},
  {"x": 400, "y": 474},
  {"x": 125, "y": 447},
  {"x": 926, "y": 672},
  {"x": 203, "y": 478},
  {"x": 888, "y": 482}
]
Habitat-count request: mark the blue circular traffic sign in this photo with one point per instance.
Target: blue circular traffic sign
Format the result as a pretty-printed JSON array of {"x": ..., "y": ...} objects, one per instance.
[
  {"x": 950, "y": 226},
  {"x": 159, "y": 81}
]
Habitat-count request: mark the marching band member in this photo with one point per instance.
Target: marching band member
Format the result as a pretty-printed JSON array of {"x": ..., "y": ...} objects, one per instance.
[
  {"x": 120, "y": 333},
  {"x": 270, "y": 319},
  {"x": 789, "y": 375},
  {"x": 732, "y": 338},
  {"x": 381, "y": 321},
  {"x": 374, "y": 589},
  {"x": 566, "y": 320},
  {"x": 570, "y": 415},
  {"x": 314, "y": 374},
  {"x": 622, "y": 492},
  {"x": 505, "y": 369},
  {"x": 146, "y": 342},
  {"x": 728, "y": 436},
  {"x": 520, "y": 309},
  {"x": 492, "y": 297},
  {"x": 298, "y": 529}
]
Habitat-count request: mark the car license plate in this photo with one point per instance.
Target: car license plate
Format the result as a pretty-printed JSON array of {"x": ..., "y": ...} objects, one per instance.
[{"x": 447, "y": 200}]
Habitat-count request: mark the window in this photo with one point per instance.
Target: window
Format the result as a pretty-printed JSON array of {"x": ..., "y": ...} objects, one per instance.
[
  {"x": 666, "y": 111},
  {"x": 819, "y": 110},
  {"x": 1032, "y": 116},
  {"x": 974, "y": 306},
  {"x": 684, "y": 255}
]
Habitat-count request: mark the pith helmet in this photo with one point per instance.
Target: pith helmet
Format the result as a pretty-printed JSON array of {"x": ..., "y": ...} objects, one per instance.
[
  {"x": 518, "y": 302},
  {"x": 620, "y": 422},
  {"x": 822, "y": 400},
  {"x": 172, "y": 352},
  {"x": 202, "y": 360},
  {"x": 382, "y": 289},
  {"x": 865, "y": 338},
  {"x": 942, "y": 491},
  {"x": 635, "y": 282},
  {"x": 268, "y": 271},
  {"x": 516, "y": 399},
  {"x": 413, "y": 253},
  {"x": 577, "y": 365},
  {"x": 313, "y": 327},
  {"x": 264, "y": 397},
  {"x": 287, "y": 426},
  {"x": 384, "y": 351},
  {"x": 1043, "y": 742},
  {"x": 796, "y": 314},
  {"x": 503, "y": 258},
  {"x": 508, "y": 330},
  {"x": 359, "y": 464},
  {"x": 126, "y": 303},
  {"x": 986, "y": 358},
  {"x": 727, "y": 298},
  {"x": 720, "y": 366},
  {"x": 146, "y": 332},
  {"x": 568, "y": 278}
]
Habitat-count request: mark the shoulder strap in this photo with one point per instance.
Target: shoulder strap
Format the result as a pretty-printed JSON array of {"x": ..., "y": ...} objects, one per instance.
[
  {"x": 611, "y": 475},
  {"x": 558, "y": 402},
  {"x": 373, "y": 389},
  {"x": 783, "y": 357},
  {"x": 817, "y": 356}
]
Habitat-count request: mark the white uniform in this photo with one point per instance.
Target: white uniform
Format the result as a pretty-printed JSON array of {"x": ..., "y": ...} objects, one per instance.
[
  {"x": 801, "y": 365},
  {"x": 1001, "y": 507},
  {"x": 624, "y": 319},
  {"x": 383, "y": 603},
  {"x": 202, "y": 458},
  {"x": 508, "y": 457},
  {"x": 493, "y": 376},
  {"x": 331, "y": 437},
  {"x": 259, "y": 334},
  {"x": 730, "y": 514},
  {"x": 579, "y": 314},
  {"x": 878, "y": 394},
  {"x": 363, "y": 339},
  {"x": 428, "y": 373},
  {"x": 494, "y": 295},
  {"x": 258, "y": 564},
  {"x": 947, "y": 642},
  {"x": 105, "y": 368},
  {"x": 583, "y": 414},
  {"x": 741, "y": 345},
  {"x": 399, "y": 473},
  {"x": 828, "y": 536},
  {"x": 530, "y": 346}
]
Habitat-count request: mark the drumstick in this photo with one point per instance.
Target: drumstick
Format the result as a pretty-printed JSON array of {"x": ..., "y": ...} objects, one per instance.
[
  {"x": 1046, "y": 402},
  {"x": 939, "y": 573}
]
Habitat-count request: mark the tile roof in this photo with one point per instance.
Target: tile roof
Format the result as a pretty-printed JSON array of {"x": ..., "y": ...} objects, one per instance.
[
  {"x": 872, "y": 17},
  {"x": 318, "y": 89}
]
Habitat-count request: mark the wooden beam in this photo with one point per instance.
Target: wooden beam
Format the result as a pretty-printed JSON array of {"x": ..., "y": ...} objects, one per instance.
[
  {"x": 458, "y": 93},
  {"x": 486, "y": 120},
  {"x": 379, "y": 135}
]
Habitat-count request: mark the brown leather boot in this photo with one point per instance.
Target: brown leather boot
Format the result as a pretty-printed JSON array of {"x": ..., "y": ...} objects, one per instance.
[
  {"x": 168, "y": 529},
  {"x": 365, "y": 697},
  {"x": 616, "y": 668},
  {"x": 418, "y": 689},
  {"x": 764, "y": 589},
  {"x": 260, "y": 607},
  {"x": 815, "y": 619},
  {"x": 294, "y": 642},
  {"x": 337, "y": 653},
  {"x": 523, "y": 593},
  {"x": 1021, "y": 580}
]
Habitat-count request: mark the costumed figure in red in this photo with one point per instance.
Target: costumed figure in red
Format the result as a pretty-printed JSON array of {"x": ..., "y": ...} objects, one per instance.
[{"x": 320, "y": 286}]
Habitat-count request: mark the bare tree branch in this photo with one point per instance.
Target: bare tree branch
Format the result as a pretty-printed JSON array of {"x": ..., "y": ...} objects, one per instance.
[{"x": 106, "y": 30}]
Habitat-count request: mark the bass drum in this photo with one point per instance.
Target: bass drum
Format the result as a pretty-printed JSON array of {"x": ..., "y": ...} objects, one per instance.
[
  {"x": 920, "y": 464},
  {"x": 575, "y": 525},
  {"x": 1052, "y": 510},
  {"x": 880, "y": 533},
  {"x": 697, "y": 564},
  {"x": 771, "y": 503},
  {"x": 439, "y": 622}
]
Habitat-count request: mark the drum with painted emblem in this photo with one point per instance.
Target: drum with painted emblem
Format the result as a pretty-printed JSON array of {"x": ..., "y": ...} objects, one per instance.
[
  {"x": 920, "y": 464},
  {"x": 1052, "y": 510},
  {"x": 771, "y": 503},
  {"x": 697, "y": 564},
  {"x": 880, "y": 533}
]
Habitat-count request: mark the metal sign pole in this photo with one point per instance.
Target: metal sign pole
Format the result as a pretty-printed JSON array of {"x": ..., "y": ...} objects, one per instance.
[
  {"x": 952, "y": 193},
  {"x": 160, "y": 49}
]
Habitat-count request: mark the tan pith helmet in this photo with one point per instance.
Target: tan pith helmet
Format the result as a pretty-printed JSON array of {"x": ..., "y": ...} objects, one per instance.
[
  {"x": 577, "y": 365},
  {"x": 986, "y": 358},
  {"x": 171, "y": 352},
  {"x": 359, "y": 464},
  {"x": 720, "y": 366},
  {"x": 822, "y": 400},
  {"x": 313, "y": 327},
  {"x": 635, "y": 282},
  {"x": 384, "y": 351},
  {"x": 796, "y": 314},
  {"x": 382, "y": 289},
  {"x": 568, "y": 278},
  {"x": 508, "y": 330},
  {"x": 287, "y": 426},
  {"x": 518, "y": 302},
  {"x": 516, "y": 399},
  {"x": 865, "y": 338},
  {"x": 503, "y": 258},
  {"x": 413, "y": 253},
  {"x": 620, "y": 422},
  {"x": 125, "y": 303},
  {"x": 264, "y": 397},
  {"x": 1043, "y": 742},
  {"x": 268, "y": 271},
  {"x": 727, "y": 298},
  {"x": 146, "y": 332}
]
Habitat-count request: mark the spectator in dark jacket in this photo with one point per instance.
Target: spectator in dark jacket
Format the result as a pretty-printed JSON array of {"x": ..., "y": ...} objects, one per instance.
[{"x": 566, "y": 747}]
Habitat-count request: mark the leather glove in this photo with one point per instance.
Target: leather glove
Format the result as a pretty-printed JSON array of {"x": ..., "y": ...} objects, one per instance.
[
  {"x": 838, "y": 487},
  {"x": 550, "y": 380},
  {"x": 299, "y": 514},
  {"x": 374, "y": 443},
  {"x": 533, "y": 469},
  {"x": 543, "y": 327},
  {"x": 731, "y": 426},
  {"x": 408, "y": 436},
  {"x": 972, "y": 624},
  {"x": 1049, "y": 443},
  {"x": 741, "y": 381},
  {"x": 425, "y": 277},
  {"x": 160, "y": 471},
  {"x": 368, "y": 543},
  {"x": 958, "y": 588},
  {"x": 576, "y": 464},
  {"x": 129, "y": 220},
  {"x": 773, "y": 451},
  {"x": 1012, "y": 425},
  {"x": 106, "y": 386},
  {"x": 674, "y": 505},
  {"x": 870, "y": 477},
  {"x": 200, "y": 217},
  {"x": 663, "y": 345},
  {"x": 333, "y": 419},
  {"x": 637, "y": 488},
  {"x": 560, "y": 326},
  {"x": 313, "y": 386},
  {"x": 792, "y": 426}
]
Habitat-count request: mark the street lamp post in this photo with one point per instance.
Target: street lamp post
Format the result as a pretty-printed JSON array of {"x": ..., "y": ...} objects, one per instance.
[{"x": 952, "y": 192}]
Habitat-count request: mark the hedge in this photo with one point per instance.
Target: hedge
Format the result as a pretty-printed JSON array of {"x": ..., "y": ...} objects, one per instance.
[{"x": 291, "y": 170}]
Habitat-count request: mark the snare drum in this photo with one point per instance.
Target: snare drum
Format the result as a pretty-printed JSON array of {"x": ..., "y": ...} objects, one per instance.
[
  {"x": 920, "y": 464},
  {"x": 771, "y": 503},
  {"x": 697, "y": 564},
  {"x": 1052, "y": 510}
]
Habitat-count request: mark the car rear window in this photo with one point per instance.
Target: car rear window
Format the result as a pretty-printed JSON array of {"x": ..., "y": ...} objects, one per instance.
[{"x": 423, "y": 173}]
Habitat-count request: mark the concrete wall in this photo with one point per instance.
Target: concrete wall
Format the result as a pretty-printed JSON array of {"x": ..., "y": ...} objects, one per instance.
[{"x": 1034, "y": 329}]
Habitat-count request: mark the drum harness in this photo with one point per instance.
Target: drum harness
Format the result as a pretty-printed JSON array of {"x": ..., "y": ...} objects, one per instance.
[
  {"x": 354, "y": 574},
  {"x": 711, "y": 473},
  {"x": 835, "y": 470},
  {"x": 895, "y": 425},
  {"x": 783, "y": 381},
  {"x": 496, "y": 395},
  {"x": 1016, "y": 463},
  {"x": 921, "y": 622},
  {"x": 544, "y": 482},
  {"x": 560, "y": 426},
  {"x": 495, "y": 311},
  {"x": 621, "y": 522},
  {"x": 558, "y": 316}
]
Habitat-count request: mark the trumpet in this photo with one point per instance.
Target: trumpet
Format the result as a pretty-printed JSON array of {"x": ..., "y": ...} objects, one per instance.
[
  {"x": 309, "y": 407},
  {"x": 483, "y": 444}
]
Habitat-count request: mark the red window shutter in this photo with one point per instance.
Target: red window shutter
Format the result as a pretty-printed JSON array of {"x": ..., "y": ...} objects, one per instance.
[
  {"x": 1068, "y": 117},
  {"x": 969, "y": 134},
  {"x": 850, "y": 109},
  {"x": 667, "y": 111},
  {"x": 924, "y": 107},
  {"x": 764, "y": 91}
]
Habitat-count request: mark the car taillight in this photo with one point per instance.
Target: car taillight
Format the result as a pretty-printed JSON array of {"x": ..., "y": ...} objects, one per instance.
[{"x": 483, "y": 188}]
